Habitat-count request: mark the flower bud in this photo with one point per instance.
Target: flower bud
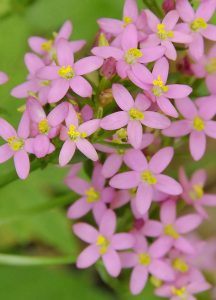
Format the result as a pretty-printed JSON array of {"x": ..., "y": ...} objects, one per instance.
[
  {"x": 106, "y": 97},
  {"x": 108, "y": 69},
  {"x": 168, "y": 5}
]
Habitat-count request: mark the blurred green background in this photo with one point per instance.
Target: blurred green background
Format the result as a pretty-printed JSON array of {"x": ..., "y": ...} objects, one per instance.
[{"x": 47, "y": 233}]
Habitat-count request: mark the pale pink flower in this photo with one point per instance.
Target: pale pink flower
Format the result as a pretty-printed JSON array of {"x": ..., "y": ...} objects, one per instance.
[
  {"x": 147, "y": 177},
  {"x": 146, "y": 260},
  {"x": 193, "y": 191},
  {"x": 75, "y": 136},
  {"x": 16, "y": 145},
  {"x": 3, "y": 78},
  {"x": 197, "y": 122},
  {"x": 165, "y": 33},
  {"x": 68, "y": 74},
  {"x": 94, "y": 194},
  {"x": 134, "y": 114},
  {"x": 130, "y": 59},
  {"x": 104, "y": 243},
  {"x": 196, "y": 24}
]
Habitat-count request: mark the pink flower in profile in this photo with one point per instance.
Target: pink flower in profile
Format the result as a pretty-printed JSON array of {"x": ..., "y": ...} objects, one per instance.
[
  {"x": 172, "y": 229},
  {"x": 196, "y": 24},
  {"x": 104, "y": 243},
  {"x": 147, "y": 177},
  {"x": 193, "y": 191},
  {"x": 197, "y": 123},
  {"x": 146, "y": 260},
  {"x": 160, "y": 93},
  {"x": 16, "y": 145},
  {"x": 75, "y": 136},
  {"x": 205, "y": 67},
  {"x": 3, "y": 78},
  {"x": 130, "y": 59},
  {"x": 68, "y": 74},
  {"x": 94, "y": 194},
  {"x": 134, "y": 114},
  {"x": 165, "y": 34},
  {"x": 47, "y": 48}
]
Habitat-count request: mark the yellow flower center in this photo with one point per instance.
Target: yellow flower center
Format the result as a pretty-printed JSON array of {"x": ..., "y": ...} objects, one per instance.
[
  {"x": 179, "y": 292},
  {"x": 158, "y": 87},
  {"x": 148, "y": 177},
  {"x": 15, "y": 143},
  {"x": 180, "y": 265},
  {"x": 162, "y": 33},
  {"x": 103, "y": 244},
  {"x": 198, "y": 124},
  {"x": 136, "y": 114},
  {"x": 43, "y": 126},
  {"x": 170, "y": 231},
  {"x": 156, "y": 282},
  {"x": 197, "y": 192},
  {"x": 92, "y": 195},
  {"x": 47, "y": 46},
  {"x": 198, "y": 24},
  {"x": 211, "y": 66},
  {"x": 122, "y": 134},
  {"x": 127, "y": 20},
  {"x": 66, "y": 72},
  {"x": 132, "y": 55},
  {"x": 144, "y": 259},
  {"x": 74, "y": 134}
]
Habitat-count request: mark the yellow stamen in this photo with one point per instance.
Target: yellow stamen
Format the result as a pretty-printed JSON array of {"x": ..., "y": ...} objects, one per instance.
[
  {"x": 127, "y": 20},
  {"x": 66, "y": 72},
  {"x": 163, "y": 34},
  {"x": 211, "y": 66},
  {"x": 122, "y": 134},
  {"x": 180, "y": 265},
  {"x": 198, "y": 124},
  {"x": 159, "y": 87},
  {"x": 79, "y": 116},
  {"x": 179, "y": 292},
  {"x": 47, "y": 46},
  {"x": 170, "y": 231},
  {"x": 74, "y": 134},
  {"x": 43, "y": 126},
  {"x": 156, "y": 282},
  {"x": 92, "y": 195},
  {"x": 15, "y": 143},
  {"x": 148, "y": 177},
  {"x": 198, "y": 24},
  {"x": 102, "y": 41},
  {"x": 197, "y": 192},
  {"x": 103, "y": 244},
  {"x": 132, "y": 55},
  {"x": 144, "y": 259},
  {"x": 136, "y": 114}
]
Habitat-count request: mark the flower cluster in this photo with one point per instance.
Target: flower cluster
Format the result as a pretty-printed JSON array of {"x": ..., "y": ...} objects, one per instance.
[{"x": 126, "y": 108}]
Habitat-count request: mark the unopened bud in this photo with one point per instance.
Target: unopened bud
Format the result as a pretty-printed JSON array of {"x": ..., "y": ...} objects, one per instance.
[
  {"x": 106, "y": 97},
  {"x": 168, "y": 5},
  {"x": 108, "y": 69}
]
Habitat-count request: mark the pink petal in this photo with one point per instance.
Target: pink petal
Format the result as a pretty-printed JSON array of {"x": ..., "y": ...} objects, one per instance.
[
  {"x": 24, "y": 126},
  {"x": 111, "y": 25},
  {"x": 196, "y": 47},
  {"x": 209, "y": 200},
  {"x": 89, "y": 127},
  {"x": 136, "y": 160},
  {"x": 111, "y": 165},
  {"x": 72, "y": 117},
  {"x": 155, "y": 120},
  {"x": 5, "y": 153},
  {"x": 58, "y": 90},
  {"x": 166, "y": 107},
  {"x": 198, "y": 287},
  {"x": 151, "y": 54},
  {"x": 48, "y": 73},
  {"x": 67, "y": 152},
  {"x": 161, "y": 247},
  {"x": 81, "y": 86},
  {"x": 108, "y": 224},
  {"x": 112, "y": 263},
  {"x": 129, "y": 37},
  {"x": 144, "y": 198},
  {"x": 6, "y": 130},
  {"x": 88, "y": 257},
  {"x": 35, "y": 110},
  {"x": 3, "y": 78},
  {"x": 142, "y": 102},
  {"x": 135, "y": 133},
  {"x": 115, "y": 120},
  {"x": 142, "y": 73},
  {"x": 35, "y": 44},
  {"x": 108, "y": 51},
  {"x": 127, "y": 180},
  {"x": 161, "y": 160},
  {"x": 79, "y": 209},
  {"x": 185, "y": 10},
  {"x": 178, "y": 129},
  {"x": 161, "y": 270},
  {"x": 168, "y": 185},
  {"x": 87, "y": 65},
  {"x": 188, "y": 223},
  {"x": 206, "y": 10},
  {"x": 178, "y": 91},
  {"x": 97, "y": 179},
  {"x": 171, "y": 19},
  {"x": 184, "y": 245},
  {"x": 64, "y": 53},
  {"x": 181, "y": 37},
  {"x": 199, "y": 177},
  {"x": 78, "y": 185},
  {"x": 66, "y": 30},
  {"x": 85, "y": 232},
  {"x": 33, "y": 63},
  {"x": 168, "y": 212},
  {"x": 22, "y": 90},
  {"x": 22, "y": 164},
  {"x": 152, "y": 228},
  {"x": 87, "y": 149},
  {"x": 77, "y": 45},
  {"x": 131, "y": 9},
  {"x": 161, "y": 68},
  {"x": 210, "y": 129},
  {"x": 138, "y": 279},
  {"x": 122, "y": 241},
  {"x": 58, "y": 114},
  {"x": 41, "y": 145},
  {"x": 122, "y": 97},
  {"x": 152, "y": 20},
  {"x": 170, "y": 51},
  {"x": 197, "y": 143},
  {"x": 187, "y": 108}
]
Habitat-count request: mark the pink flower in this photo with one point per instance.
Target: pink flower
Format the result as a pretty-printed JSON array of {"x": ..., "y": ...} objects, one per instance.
[
  {"x": 205, "y": 67},
  {"x": 47, "y": 48},
  {"x": 75, "y": 135},
  {"x": 197, "y": 123},
  {"x": 134, "y": 115},
  {"x": 16, "y": 145},
  {"x": 130, "y": 59},
  {"x": 160, "y": 92},
  {"x": 103, "y": 243},
  {"x": 196, "y": 24},
  {"x": 193, "y": 191},
  {"x": 147, "y": 177},
  {"x": 144, "y": 261},
  {"x": 94, "y": 194},
  {"x": 68, "y": 74},
  {"x": 3, "y": 78},
  {"x": 165, "y": 34},
  {"x": 171, "y": 229}
]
